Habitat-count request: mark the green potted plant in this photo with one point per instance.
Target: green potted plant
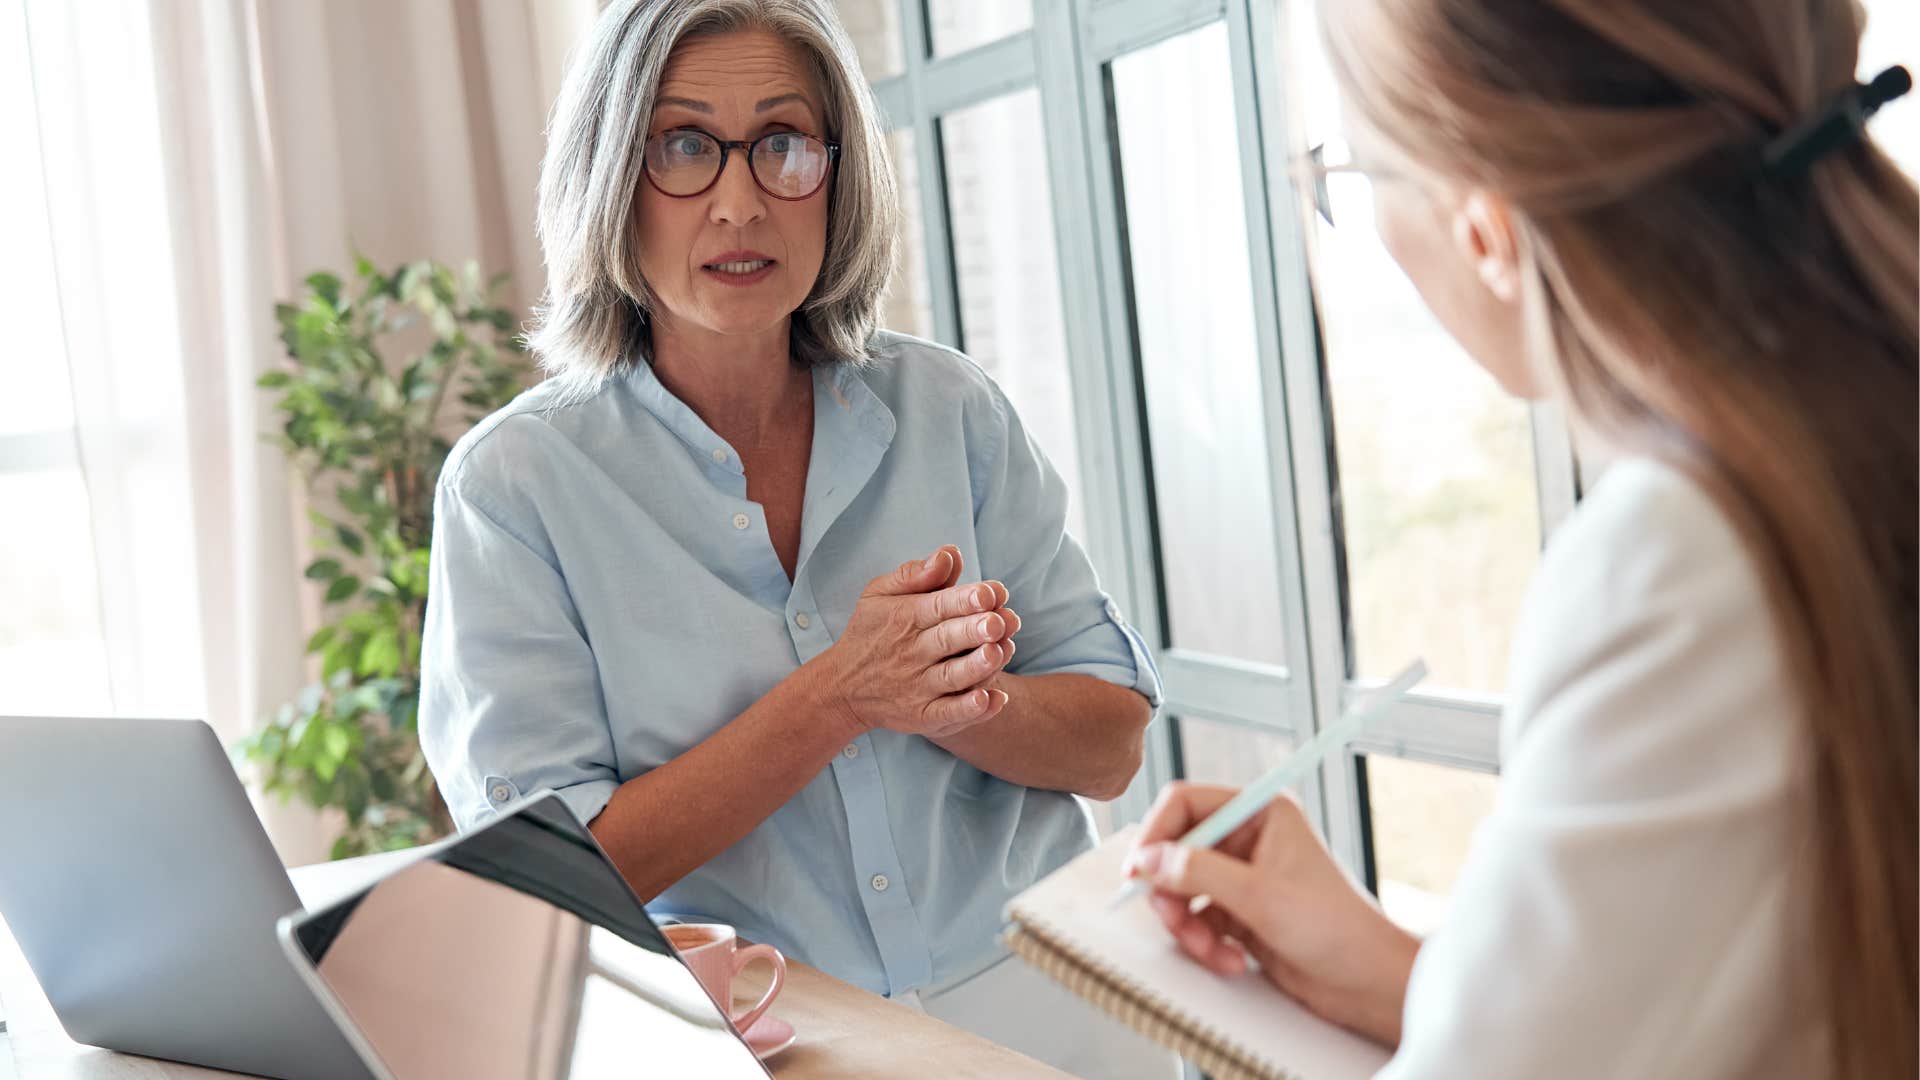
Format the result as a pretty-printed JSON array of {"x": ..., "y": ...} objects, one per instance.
[{"x": 370, "y": 436}]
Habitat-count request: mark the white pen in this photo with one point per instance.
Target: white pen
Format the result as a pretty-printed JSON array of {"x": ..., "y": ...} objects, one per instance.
[{"x": 1240, "y": 809}]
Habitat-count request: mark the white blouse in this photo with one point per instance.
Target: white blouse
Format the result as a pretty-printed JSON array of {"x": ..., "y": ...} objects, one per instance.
[{"x": 1626, "y": 910}]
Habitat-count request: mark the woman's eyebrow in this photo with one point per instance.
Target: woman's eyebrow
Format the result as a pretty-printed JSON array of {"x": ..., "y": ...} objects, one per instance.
[
  {"x": 686, "y": 103},
  {"x": 772, "y": 102},
  {"x": 761, "y": 106}
]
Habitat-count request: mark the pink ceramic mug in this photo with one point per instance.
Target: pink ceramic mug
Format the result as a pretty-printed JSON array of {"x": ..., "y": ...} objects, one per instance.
[{"x": 714, "y": 953}]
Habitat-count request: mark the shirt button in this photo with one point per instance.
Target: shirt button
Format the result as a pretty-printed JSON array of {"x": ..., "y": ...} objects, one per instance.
[
  {"x": 741, "y": 521},
  {"x": 501, "y": 793},
  {"x": 802, "y": 621},
  {"x": 720, "y": 456},
  {"x": 880, "y": 883},
  {"x": 850, "y": 752}
]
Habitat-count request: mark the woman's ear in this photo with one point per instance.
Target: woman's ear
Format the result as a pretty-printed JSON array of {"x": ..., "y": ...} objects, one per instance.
[{"x": 1483, "y": 235}]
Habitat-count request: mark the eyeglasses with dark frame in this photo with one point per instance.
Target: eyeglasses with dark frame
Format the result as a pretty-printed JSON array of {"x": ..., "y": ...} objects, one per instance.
[{"x": 788, "y": 165}]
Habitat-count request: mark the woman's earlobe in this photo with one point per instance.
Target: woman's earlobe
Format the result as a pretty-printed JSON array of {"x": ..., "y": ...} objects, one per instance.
[{"x": 1501, "y": 279}]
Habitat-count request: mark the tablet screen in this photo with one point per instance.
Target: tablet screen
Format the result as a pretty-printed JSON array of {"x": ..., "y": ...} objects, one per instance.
[{"x": 517, "y": 951}]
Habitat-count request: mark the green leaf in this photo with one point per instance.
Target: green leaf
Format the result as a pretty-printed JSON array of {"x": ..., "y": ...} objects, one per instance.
[
  {"x": 381, "y": 656},
  {"x": 355, "y": 792},
  {"x": 339, "y": 657},
  {"x": 297, "y": 734},
  {"x": 350, "y": 540},
  {"x": 337, "y": 742},
  {"x": 364, "y": 698},
  {"x": 320, "y": 639},
  {"x": 323, "y": 570},
  {"x": 273, "y": 380},
  {"x": 406, "y": 711},
  {"x": 342, "y": 588},
  {"x": 309, "y": 699},
  {"x": 327, "y": 286}
]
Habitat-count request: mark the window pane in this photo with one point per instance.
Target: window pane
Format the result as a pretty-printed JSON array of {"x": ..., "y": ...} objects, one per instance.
[
  {"x": 959, "y": 25},
  {"x": 53, "y": 659},
  {"x": 907, "y": 306},
  {"x": 1435, "y": 461},
  {"x": 1423, "y": 819},
  {"x": 874, "y": 26},
  {"x": 1193, "y": 312},
  {"x": 1229, "y": 754},
  {"x": 1004, "y": 256}
]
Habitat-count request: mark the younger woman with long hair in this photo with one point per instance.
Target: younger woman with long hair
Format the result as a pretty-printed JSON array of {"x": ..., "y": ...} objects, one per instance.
[{"x": 1668, "y": 217}]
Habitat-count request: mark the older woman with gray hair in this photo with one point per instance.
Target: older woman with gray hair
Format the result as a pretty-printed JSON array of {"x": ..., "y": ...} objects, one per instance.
[{"x": 745, "y": 580}]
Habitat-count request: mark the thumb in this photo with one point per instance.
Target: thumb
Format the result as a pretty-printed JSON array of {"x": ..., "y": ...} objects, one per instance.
[
  {"x": 913, "y": 577},
  {"x": 1188, "y": 872}
]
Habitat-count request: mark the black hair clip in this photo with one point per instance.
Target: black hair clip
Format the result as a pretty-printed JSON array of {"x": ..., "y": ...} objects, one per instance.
[{"x": 1835, "y": 126}]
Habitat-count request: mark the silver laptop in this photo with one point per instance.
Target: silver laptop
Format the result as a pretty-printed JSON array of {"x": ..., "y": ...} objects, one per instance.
[
  {"x": 144, "y": 894},
  {"x": 516, "y": 952}
]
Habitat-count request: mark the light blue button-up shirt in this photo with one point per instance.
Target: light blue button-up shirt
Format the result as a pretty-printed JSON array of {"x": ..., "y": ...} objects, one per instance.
[{"x": 605, "y": 596}]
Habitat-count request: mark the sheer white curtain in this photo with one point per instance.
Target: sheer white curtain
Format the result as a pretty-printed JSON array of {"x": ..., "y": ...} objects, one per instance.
[{"x": 200, "y": 157}]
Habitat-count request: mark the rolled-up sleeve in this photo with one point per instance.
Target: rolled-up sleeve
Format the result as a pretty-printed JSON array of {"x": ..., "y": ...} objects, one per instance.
[
  {"x": 1068, "y": 625},
  {"x": 510, "y": 698}
]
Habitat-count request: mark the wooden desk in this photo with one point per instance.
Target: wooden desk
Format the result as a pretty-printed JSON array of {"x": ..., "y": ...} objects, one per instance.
[{"x": 844, "y": 1032}]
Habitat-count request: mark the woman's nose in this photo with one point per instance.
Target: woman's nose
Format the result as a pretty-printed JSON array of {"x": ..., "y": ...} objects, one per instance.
[{"x": 737, "y": 199}]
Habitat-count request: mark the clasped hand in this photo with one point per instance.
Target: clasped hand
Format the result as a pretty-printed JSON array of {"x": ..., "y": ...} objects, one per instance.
[{"x": 919, "y": 653}]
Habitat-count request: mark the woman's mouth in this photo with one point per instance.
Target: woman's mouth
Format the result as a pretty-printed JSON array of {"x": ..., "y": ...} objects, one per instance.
[{"x": 739, "y": 271}]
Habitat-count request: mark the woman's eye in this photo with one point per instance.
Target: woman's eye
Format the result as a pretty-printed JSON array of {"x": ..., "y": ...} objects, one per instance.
[
  {"x": 687, "y": 145},
  {"x": 780, "y": 144}
]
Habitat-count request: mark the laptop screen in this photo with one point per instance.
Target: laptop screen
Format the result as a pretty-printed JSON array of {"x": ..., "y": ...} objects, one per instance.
[{"x": 517, "y": 951}]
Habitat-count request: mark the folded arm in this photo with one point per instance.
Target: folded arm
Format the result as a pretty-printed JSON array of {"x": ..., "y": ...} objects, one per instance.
[{"x": 1072, "y": 733}]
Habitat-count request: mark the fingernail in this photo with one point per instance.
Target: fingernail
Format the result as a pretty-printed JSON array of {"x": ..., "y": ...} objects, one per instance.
[
  {"x": 932, "y": 560},
  {"x": 1147, "y": 860},
  {"x": 1172, "y": 864},
  {"x": 981, "y": 597}
]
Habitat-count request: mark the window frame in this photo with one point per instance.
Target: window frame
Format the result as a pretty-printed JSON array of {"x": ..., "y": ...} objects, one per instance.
[{"x": 1066, "y": 57}]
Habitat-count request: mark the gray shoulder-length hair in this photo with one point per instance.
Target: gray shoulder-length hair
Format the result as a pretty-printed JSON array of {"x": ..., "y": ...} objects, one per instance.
[{"x": 594, "y": 319}]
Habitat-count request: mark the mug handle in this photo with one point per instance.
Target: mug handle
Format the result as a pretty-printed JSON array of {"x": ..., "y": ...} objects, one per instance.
[{"x": 743, "y": 957}]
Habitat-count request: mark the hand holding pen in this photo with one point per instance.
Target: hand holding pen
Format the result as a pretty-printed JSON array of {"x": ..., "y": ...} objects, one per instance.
[{"x": 1269, "y": 891}]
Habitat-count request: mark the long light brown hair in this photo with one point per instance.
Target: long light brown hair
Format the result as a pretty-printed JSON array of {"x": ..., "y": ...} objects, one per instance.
[{"x": 1756, "y": 330}]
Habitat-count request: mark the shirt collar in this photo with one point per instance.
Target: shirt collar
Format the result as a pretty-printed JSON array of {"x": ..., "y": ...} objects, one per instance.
[{"x": 845, "y": 410}]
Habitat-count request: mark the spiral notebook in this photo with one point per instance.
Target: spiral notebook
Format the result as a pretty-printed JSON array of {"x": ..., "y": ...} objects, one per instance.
[{"x": 1125, "y": 963}]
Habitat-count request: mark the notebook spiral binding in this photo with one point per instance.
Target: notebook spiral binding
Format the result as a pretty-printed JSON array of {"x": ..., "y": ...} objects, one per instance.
[{"x": 1220, "y": 1057}]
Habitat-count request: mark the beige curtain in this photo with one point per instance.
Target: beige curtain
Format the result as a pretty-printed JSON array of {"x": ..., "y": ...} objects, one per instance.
[
  {"x": 285, "y": 136},
  {"x": 411, "y": 129}
]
